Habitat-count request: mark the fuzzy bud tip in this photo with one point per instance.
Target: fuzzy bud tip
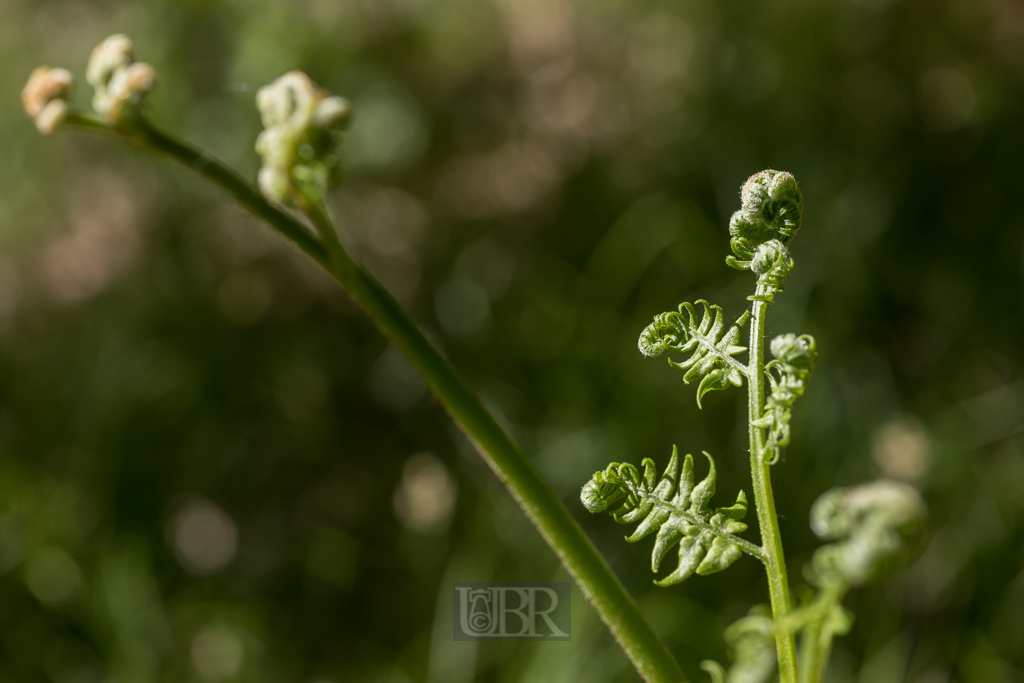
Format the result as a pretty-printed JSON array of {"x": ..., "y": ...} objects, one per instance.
[
  {"x": 301, "y": 122},
  {"x": 332, "y": 112},
  {"x": 44, "y": 97},
  {"x": 114, "y": 53},
  {"x": 121, "y": 84}
]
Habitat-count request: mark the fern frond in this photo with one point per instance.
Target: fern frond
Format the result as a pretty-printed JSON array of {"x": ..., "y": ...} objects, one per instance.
[
  {"x": 678, "y": 510},
  {"x": 711, "y": 346},
  {"x": 771, "y": 208},
  {"x": 874, "y": 526},
  {"x": 788, "y": 374}
]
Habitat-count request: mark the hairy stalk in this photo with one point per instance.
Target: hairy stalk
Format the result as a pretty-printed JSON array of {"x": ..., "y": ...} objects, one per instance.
[
  {"x": 764, "y": 499},
  {"x": 873, "y": 525},
  {"x": 595, "y": 578}
]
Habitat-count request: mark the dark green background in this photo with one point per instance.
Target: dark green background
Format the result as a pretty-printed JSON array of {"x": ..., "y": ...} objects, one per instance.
[{"x": 535, "y": 180}]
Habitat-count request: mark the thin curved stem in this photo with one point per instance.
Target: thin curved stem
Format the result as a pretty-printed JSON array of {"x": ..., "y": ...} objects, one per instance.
[
  {"x": 578, "y": 555},
  {"x": 764, "y": 499}
]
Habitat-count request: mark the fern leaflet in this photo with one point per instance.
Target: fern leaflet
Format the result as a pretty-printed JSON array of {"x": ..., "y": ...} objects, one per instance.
[
  {"x": 675, "y": 508},
  {"x": 712, "y": 351},
  {"x": 788, "y": 374}
]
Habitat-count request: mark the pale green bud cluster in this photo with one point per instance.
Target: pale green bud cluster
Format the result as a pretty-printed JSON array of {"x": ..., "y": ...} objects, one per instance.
[
  {"x": 771, "y": 207},
  {"x": 876, "y": 524},
  {"x": 121, "y": 84},
  {"x": 769, "y": 256},
  {"x": 795, "y": 350},
  {"x": 771, "y": 210},
  {"x": 772, "y": 264},
  {"x": 300, "y": 123},
  {"x": 45, "y": 97}
]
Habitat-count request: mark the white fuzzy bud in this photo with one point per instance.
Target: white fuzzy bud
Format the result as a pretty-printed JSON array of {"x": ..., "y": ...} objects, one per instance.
[
  {"x": 111, "y": 55},
  {"x": 297, "y": 141},
  {"x": 131, "y": 84},
  {"x": 45, "y": 97},
  {"x": 121, "y": 84},
  {"x": 332, "y": 112}
]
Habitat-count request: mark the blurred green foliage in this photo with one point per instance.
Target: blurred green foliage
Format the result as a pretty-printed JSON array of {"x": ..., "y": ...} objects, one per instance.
[{"x": 212, "y": 467}]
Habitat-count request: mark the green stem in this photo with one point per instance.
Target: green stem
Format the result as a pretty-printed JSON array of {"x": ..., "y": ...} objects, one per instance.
[
  {"x": 578, "y": 555},
  {"x": 764, "y": 499},
  {"x": 817, "y": 636},
  {"x": 809, "y": 663}
]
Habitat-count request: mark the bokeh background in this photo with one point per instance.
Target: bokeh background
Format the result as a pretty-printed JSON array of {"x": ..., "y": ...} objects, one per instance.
[{"x": 213, "y": 468}]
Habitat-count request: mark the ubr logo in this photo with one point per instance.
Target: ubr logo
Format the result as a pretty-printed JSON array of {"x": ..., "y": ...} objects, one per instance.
[{"x": 512, "y": 611}]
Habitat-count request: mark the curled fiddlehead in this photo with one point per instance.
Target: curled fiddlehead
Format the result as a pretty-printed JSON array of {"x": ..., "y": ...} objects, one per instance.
[
  {"x": 787, "y": 374},
  {"x": 771, "y": 210},
  {"x": 120, "y": 83},
  {"x": 45, "y": 98},
  {"x": 301, "y": 124},
  {"x": 677, "y": 509},
  {"x": 875, "y": 527},
  {"x": 711, "y": 346}
]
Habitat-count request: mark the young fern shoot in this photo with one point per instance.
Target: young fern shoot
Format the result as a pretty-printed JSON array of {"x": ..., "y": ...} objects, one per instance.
[
  {"x": 875, "y": 519},
  {"x": 713, "y": 352},
  {"x": 871, "y": 525},
  {"x": 678, "y": 511}
]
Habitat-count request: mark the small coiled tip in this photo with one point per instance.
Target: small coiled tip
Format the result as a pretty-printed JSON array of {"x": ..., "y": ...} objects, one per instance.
[
  {"x": 650, "y": 342},
  {"x": 289, "y": 96},
  {"x": 133, "y": 82},
  {"x": 114, "y": 53},
  {"x": 773, "y": 198},
  {"x": 332, "y": 112},
  {"x": 605, "y": 488},
  {"x": 791, "y": 348},
  {"x": 660, "y": 335},
  {"x": 121, "y": 84},
  {"x": 768, "y": 255},
  {"x": 45, "y": 97},
  {"x": 591, "y": 497}
]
